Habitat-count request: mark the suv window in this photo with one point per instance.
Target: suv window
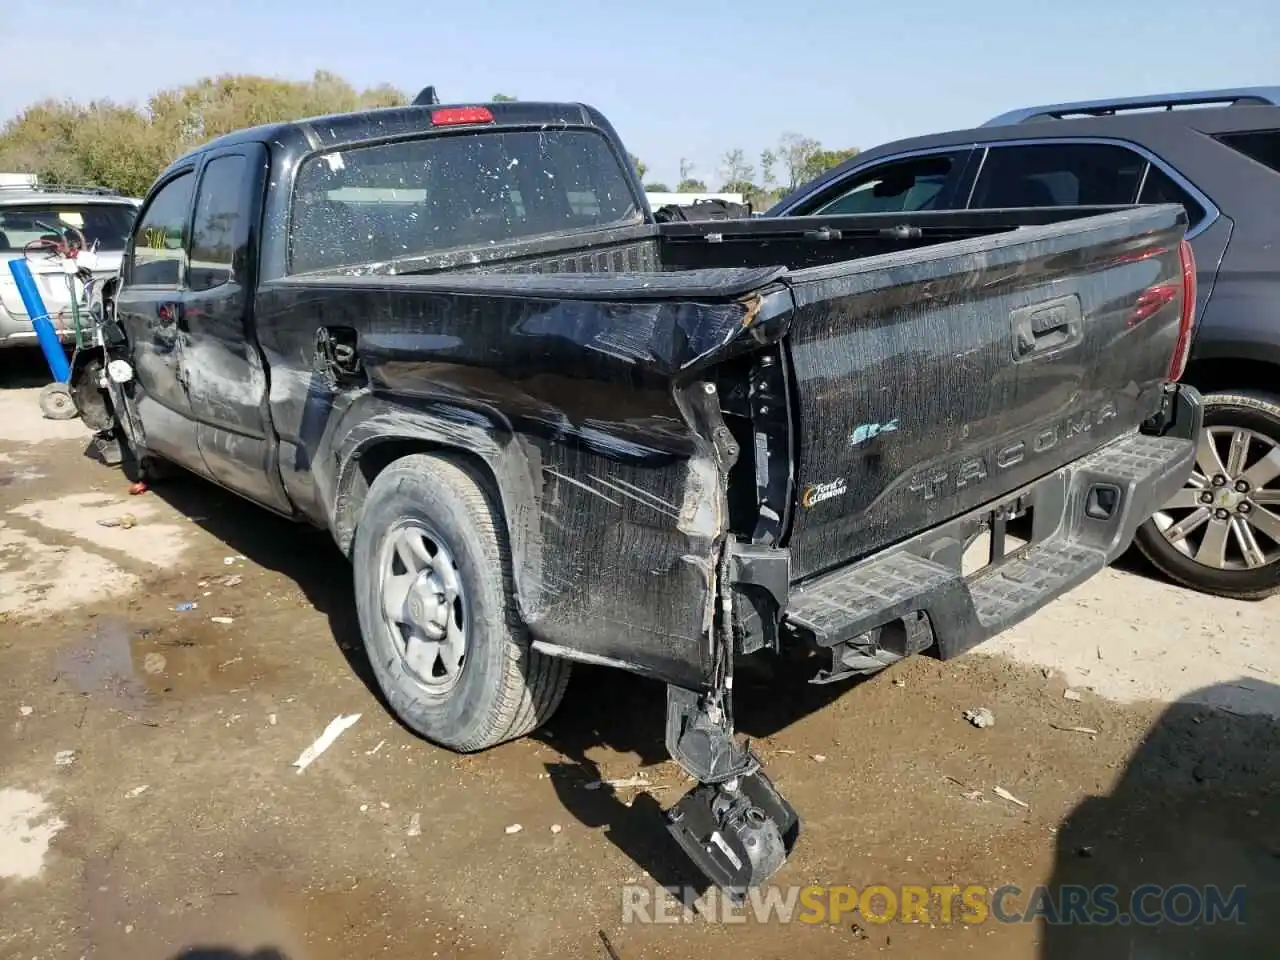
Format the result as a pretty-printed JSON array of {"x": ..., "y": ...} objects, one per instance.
[
  {"x": 107, "y": 224},
  {"x": 442, "y": 192},
  {"x": 159, "y": 243},
  {"x": 912, "y": 184},
  {"x": 1260, "y": 145},
  {"x": 1058, "y": 175},
  {"x": 1159, "y": 187},
  {"x": 219, "y": 220}
]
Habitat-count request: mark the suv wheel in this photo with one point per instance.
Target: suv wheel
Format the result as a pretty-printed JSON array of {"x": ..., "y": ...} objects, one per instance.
[{"x": 1221, "y": 532}]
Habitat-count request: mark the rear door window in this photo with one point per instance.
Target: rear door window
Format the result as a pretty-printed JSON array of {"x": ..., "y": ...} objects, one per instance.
[
  {"x": 219, "y": 226},
  {"x": 916, "y": 183},
  {"x": 1159, "y": 187},
  {"x": 1058, "y": 175},
  {"x": 444, "y": 192}
]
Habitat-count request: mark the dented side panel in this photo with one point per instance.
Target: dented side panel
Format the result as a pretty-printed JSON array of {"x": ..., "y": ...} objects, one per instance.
[{"x": 613, "y": 501}]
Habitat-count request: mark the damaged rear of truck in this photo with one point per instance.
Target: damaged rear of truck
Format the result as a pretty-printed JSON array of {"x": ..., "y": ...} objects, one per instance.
[{"x": 547, "y": 429}]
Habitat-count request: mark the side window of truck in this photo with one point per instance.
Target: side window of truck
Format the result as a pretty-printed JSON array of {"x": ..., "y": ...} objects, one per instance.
[
  {"x": 158, "y": 250},
  {"x": 916, "y": 183},
  {"x": 1058, "y": 175},
  {"x": 218, "y": 230}
]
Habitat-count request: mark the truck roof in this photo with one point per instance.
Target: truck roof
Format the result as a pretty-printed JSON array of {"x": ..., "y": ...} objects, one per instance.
[{"x": 343, "y": 129}]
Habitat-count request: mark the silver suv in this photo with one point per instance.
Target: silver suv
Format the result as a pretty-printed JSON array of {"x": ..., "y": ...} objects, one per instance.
[{"x": 30, "y": 216}]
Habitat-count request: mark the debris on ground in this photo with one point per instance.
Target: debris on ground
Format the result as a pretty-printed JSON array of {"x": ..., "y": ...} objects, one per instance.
[
  {"x": 820, "y": 757},
  {"x": 137, "y": 488},
  {"x": 337, "y": 726},
  {"x": 556, "y": 828},
  {"x": 221, "y": 620},
  {"x": 608, "y": 946},
  {"x": 154, "y": 663},
  {"x": 137, "y": 791},
  {"x": 899, "y": 682},
  {"x": 370, "y": 753},
  {"x": 185, "y": 607},
  {"x": 25, "y": 710},
  {"x": 1072, "y": 695},
  {"x": 975, "y": 795},
  {"x": 514, "y": 828},
  {"x": 271, "y": 719},
  {"x": 232, "y": 581},
  {"x": 64, "y": 758},
  {"x": 1089, "y": 730},
  {"x": 980, "y": 717},
  {"x": 226, "y": 663},
  {"x": 415, "y": 826},
  {"x": 109, "y": 522},
  {"x": 1004, "y": 794},
  {"x": 637, "y": 781}
]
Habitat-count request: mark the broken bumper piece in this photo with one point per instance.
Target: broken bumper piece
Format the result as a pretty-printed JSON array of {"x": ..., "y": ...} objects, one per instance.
[{"x": 739, "y": 834}]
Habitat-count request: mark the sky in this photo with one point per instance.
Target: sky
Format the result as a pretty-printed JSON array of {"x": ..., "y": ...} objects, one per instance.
[{"x": 678, "y": 79}]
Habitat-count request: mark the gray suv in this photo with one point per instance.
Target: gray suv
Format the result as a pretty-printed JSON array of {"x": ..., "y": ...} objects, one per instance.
[
  {"x": 1215, "y": 152},
  {"x": 30, "y": 217}
]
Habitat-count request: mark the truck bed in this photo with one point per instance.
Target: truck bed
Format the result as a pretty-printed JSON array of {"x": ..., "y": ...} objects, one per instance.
[{"x": 904, "y": 405}]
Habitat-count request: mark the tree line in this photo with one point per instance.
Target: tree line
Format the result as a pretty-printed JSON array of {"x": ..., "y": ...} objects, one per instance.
[{"x": 124, "y": 146}]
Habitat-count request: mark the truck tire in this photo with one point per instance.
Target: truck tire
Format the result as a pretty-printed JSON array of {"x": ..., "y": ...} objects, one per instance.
[
  {"x": 1229, "y": 546},
  {"x": 437, "y": 609}
]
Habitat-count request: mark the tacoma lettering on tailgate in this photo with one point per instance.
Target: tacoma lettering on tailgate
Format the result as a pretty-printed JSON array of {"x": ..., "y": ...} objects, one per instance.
[{"x": 945, "y": 480}]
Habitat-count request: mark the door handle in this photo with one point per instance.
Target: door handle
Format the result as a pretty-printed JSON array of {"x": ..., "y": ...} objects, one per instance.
[{"x": 1045, "y": 326}]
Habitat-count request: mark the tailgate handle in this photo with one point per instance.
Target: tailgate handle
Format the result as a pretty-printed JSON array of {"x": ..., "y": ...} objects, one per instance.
[{"x": 1048, "y": 325}]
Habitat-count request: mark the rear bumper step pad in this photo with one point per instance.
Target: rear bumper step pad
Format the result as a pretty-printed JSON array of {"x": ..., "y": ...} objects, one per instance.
[{"x": 1071, "y": 541}]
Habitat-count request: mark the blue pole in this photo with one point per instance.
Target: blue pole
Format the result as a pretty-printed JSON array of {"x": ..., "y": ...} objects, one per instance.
[{"x": 48, "y": 337}]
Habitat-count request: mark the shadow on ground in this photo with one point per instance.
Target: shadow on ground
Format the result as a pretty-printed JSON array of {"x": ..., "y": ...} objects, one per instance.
[
  {"x": 603, "y": 707},
  {"x": 224, "y": 953},
  {"x": 1196, "y": 814},
  {"x": 24, "y": 367}
]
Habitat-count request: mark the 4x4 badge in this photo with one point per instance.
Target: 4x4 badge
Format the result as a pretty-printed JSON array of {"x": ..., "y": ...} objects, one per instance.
[{"x": 869, "y": 431}]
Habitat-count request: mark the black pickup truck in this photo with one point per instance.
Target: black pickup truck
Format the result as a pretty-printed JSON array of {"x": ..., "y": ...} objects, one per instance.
[{"x": 545, "y": 428}]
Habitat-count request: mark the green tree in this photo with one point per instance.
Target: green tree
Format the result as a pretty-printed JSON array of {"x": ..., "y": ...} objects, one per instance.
[
  {"x": 657, "y": 188},
  {"x": 124, "y": 146},
  {"x": 690, "y": 185},
  {"x": 641, "y": 167},
  {"x": 504, "y": 98}
]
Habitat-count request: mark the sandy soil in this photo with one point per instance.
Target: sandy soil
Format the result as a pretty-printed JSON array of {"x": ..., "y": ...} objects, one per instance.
[{"x": 150, "y": 806}]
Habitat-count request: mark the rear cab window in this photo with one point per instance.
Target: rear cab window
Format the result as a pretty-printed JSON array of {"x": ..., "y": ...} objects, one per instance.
[
  {"x": 436, "y": 193},
  {"x": 106, "y": 224}
]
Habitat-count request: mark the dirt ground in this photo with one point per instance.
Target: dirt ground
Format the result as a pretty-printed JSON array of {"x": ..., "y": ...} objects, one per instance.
[{"x": 150, "y": 806}]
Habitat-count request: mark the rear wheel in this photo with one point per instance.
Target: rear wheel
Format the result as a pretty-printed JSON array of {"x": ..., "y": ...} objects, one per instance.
[
  {"x": 437, "y": 609},
  {"x": 1221, "y": 532}
]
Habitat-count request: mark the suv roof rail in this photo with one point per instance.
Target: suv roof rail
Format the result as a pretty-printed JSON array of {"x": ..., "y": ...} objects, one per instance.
[
  {"x": 1232, "y": 97},
  {"x": 85, "y": 188}
]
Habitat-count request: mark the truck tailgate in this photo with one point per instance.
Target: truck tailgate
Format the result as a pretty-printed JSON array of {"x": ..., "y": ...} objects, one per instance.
[{"x": 930, "y": 382}]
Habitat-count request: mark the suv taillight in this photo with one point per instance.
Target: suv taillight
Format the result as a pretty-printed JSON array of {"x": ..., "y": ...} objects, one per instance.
[{"x": 1186, "y": 323}]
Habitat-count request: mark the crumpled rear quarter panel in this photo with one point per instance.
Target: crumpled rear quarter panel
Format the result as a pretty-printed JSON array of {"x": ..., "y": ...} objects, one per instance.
[{"x": 612, "y": 501}]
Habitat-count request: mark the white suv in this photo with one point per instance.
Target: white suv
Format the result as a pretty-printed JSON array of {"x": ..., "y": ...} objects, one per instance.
[{"x": 31, "y": 214}]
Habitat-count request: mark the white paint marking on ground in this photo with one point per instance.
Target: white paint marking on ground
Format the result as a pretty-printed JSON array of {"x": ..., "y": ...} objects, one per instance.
[
  {"x": 337, "y": 726},
  {"x": 156, "y": 543},
  {"x": 37, "y": 579},
  {"x": 26, "y": 830}
]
